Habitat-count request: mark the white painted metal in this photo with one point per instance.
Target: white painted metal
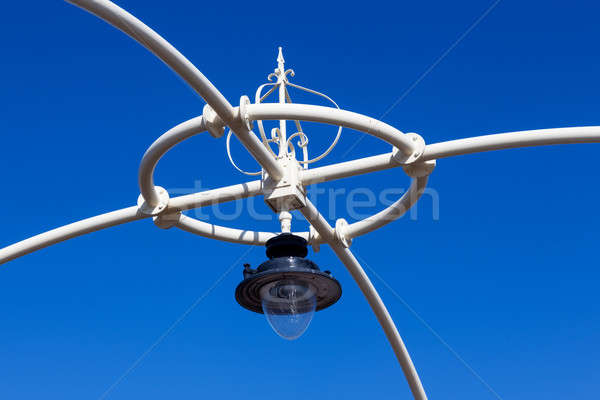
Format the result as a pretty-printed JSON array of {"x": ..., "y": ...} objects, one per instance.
[
  {"x": 364, "y": 283},
  {"x": 240, "y": 236},
  {"x": 70, "y": 231},
  {"x": 158, "y": 149},
  {"x": 285, "y": 220},
  {"x": 369, "y": 224},
  {"x": 257, "y": 150},
  {"x": 215, "y": 196},
  {"x": 478, "y": 144},
  {"x": 412, "y": 148},
  {"x": 328, "y": 115},
  {"x": 304, "y": 140},
  {"x": 122, "y": 216},
  {"x": 151, "y": 40},
  {"x": 232, "y": 235},
  {"x": 280, "y": 73},
  {"x": 349, "y": 168},
  {"x": 392, "y": 213},
  {"x": 279, "y": 135},
  {"x": 511, "y": 140},
  {"x": 228, "y": 147}
]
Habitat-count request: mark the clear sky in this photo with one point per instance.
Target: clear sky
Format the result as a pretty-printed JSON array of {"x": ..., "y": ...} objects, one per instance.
[{"x": 496, "y": 293}]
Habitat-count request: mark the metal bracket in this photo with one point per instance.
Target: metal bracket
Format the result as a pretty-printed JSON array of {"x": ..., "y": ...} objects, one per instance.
[
  {"x": 167, "y": 220},
  {"x": 340, "y": 232},
  {"x": 419, "y": 148},
  {"x": 214, "y": 124},
  {"x": 244, "y": 103},
  {"x": 287, "y": 194},
  {"x": 147, "y": 209},
  {"x": 419, "y": 170}
]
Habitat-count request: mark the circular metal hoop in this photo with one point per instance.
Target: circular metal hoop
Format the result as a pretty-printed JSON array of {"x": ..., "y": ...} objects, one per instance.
[{"x": 321, "y": 114}]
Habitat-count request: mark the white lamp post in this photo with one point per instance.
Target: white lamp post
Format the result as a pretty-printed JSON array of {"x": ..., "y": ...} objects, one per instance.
[{"x": 283, "y": 178}]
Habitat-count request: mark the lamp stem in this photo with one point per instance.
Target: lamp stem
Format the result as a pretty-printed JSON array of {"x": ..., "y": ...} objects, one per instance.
[{"x": 285, "y": 218}]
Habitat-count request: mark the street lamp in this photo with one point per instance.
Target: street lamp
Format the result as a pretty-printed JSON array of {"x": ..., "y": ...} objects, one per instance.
[{"x": 287, "y": 287}]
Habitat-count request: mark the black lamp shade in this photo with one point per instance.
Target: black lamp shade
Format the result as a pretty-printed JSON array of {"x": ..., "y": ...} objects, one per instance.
[{"x": 286, "y": 254}]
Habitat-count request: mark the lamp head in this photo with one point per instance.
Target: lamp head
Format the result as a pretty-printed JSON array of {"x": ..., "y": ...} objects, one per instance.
[{"x": 287, "y": 288}]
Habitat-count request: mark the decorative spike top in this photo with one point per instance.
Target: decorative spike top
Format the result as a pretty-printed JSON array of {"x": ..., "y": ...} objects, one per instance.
[
  {"x": 280, "y": 61},
  {"x": 279, "y": 83}
]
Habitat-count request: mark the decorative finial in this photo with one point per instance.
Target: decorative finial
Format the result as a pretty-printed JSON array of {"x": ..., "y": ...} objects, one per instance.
[{"x": 280, "y": 60}]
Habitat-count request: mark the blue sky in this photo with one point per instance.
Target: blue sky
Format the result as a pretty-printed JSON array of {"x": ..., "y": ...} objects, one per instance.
[{"x": 507, "y": 275}]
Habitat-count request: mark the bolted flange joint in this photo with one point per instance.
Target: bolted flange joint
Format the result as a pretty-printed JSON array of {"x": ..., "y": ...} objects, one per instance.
[
  {"x": 341, "y": 229},
  {"x": 244, "y": 119},
  {"x": 167, "y": 220},
  {"x": 163, "y": 202},
  {"x": 418, "y": 150},
  {"x": 214, "y": 124},
  {"x": 420, "y": 169}
]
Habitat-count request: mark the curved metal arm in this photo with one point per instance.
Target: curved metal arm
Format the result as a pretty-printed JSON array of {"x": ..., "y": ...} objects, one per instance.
[
  {"x": 158, "y": 149},
  {"x": 226, "y": 234},
  {"x": 151, "y": 40},
  {"x": 257, "y": 238},
  {"x": 125, "y": 215},
  {"x": 300, "y": 131},
  {"x": 232, "y": 235},
  {"x": 75, "y": 229},
  {"x": 364, "y": 283},
  {"x": 392, "y": 213},
  {"x": 511, "y": 140},
  {"x": 334, "y": 116}
]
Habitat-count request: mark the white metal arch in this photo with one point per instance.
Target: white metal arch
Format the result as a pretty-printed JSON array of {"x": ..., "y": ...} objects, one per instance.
[{"x": 416, "y": 158}]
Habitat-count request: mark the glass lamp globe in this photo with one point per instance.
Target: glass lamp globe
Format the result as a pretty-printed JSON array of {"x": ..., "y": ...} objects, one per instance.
[{"x": 289, "y": 306}]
